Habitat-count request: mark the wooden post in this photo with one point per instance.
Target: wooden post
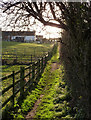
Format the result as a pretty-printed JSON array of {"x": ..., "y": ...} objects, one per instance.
[
  {"x": 22, "y": 82},
  {"x": 43, "y": 53},
  {"x": 38, "y": 67},
  {"x": 48, "y": 55},
  {"x": 41, "y": 64},
  {"x": 13, "y": 87},
  {"x": 29, "y": 76},
  {"x": 31, "y": 58},
  {"x": 29, "y": 72},
  {"x": 34, "y": 51},
  {"x": 33, "y": 71},
  {"x": 45, "y": 60}
]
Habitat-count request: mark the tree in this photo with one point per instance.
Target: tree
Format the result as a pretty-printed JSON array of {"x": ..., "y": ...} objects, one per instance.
[
  {"x": 75, "y": 19},
  {"x": 40, "y": 11}
]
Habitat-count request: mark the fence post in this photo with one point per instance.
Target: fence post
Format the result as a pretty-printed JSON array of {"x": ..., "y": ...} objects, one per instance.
[
  {"x": 31, "y": 58},
  {"x": 22, "y": 82},
  {"x": 38, "y": 67},
  {"x": 29, "y": 76},
  {"x": 13, "y": 87},
  {"x": 48, "y": 55},
  {"x": 45, "y": 60},
  {"x": 41, "y": 64},
  {"x": 34, "y": 51},
  {"x": 33, "y": 71}
]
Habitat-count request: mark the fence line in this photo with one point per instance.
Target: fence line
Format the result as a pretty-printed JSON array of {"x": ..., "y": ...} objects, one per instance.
[
  {"x": 28, "y": 77},
  {"x": 15, "y": 58}
]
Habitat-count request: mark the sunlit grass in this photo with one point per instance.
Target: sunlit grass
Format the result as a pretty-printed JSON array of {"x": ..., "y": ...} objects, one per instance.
[
  {"x": 54, "y": 104},
  {"x": 8, "y": 69},
  {"x": 23, "y": 52}
]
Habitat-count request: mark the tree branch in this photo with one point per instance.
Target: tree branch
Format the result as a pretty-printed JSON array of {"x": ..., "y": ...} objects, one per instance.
[{"x": 35, "y": 10}]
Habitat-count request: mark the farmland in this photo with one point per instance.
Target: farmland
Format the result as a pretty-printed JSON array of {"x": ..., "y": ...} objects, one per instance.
[
  {"x": 19, "y": 49},
  {"x": 22, "y": 52}
]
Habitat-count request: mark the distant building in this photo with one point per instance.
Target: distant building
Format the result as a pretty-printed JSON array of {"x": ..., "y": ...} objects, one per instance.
[
  {"x": 19, "y": 36},
  {"x": 39, "y": 38}
]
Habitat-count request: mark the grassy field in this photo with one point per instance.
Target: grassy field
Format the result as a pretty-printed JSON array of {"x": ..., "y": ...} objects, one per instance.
[
  {"x": 54, "y": 103},
  {"x": 23, "y": 52}
]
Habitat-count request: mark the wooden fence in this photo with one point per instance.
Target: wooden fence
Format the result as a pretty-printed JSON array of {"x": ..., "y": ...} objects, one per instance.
[
  {"x": 27, "y": 77},
  {"x": 14, "y": 57}
]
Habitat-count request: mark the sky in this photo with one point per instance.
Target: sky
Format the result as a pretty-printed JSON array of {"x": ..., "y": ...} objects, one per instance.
[
  {"x": 48, "y": 0},
  {"x": 47, "y": 31}
]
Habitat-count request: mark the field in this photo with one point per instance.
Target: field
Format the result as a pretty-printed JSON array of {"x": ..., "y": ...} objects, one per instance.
[{"x": 22, "y": 53}]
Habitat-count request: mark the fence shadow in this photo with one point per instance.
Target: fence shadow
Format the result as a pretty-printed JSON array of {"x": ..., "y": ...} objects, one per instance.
[{"x": 24, "y": 81}]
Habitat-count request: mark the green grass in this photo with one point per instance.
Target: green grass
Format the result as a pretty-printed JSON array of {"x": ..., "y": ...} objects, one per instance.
[
  {"x": 22, "y": 51},
  {"x": 55, "y": 102},
  {"x": 7, "y": 69},
  {"x": 21, "y": 48},
  {"x": 27, "y": 48}
]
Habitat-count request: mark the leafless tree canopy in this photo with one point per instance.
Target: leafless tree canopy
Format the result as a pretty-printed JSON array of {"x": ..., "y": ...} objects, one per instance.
[
  {"x": 64, "y": 14},
  {"x": 44, "y": 12},
  {"x": 75, "y": 19}
]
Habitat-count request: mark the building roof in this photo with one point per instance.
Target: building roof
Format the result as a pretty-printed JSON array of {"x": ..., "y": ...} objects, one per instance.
[
  {"x": 18, "y": 33},
  {"x": 39, "y": 36}
]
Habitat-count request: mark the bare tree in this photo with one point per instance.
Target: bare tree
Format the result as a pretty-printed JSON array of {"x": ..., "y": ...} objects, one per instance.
[
  {"x": 75, "y": 18},
  {"x": 45, "y": 12}
]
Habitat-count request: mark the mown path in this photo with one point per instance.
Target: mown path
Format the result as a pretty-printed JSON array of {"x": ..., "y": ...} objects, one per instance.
[
  {"x": 53, "y": 102},
  {"x": 51, "y": 97},
  {"x": 32, "y": 113}
]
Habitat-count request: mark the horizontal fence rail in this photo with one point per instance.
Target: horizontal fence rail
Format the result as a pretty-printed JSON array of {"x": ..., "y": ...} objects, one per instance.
[
  {"x": 14, "y": 58},
  {"x": 28, "y": 76}
]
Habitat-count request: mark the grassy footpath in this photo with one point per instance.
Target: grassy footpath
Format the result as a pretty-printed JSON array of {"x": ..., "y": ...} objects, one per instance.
[{"x": 55, "y": 102}]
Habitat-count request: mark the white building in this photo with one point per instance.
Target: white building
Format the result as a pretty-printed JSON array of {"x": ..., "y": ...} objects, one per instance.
[
  {"x": 29, "y": 38},
  {"x": 19, "y": 36}
]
